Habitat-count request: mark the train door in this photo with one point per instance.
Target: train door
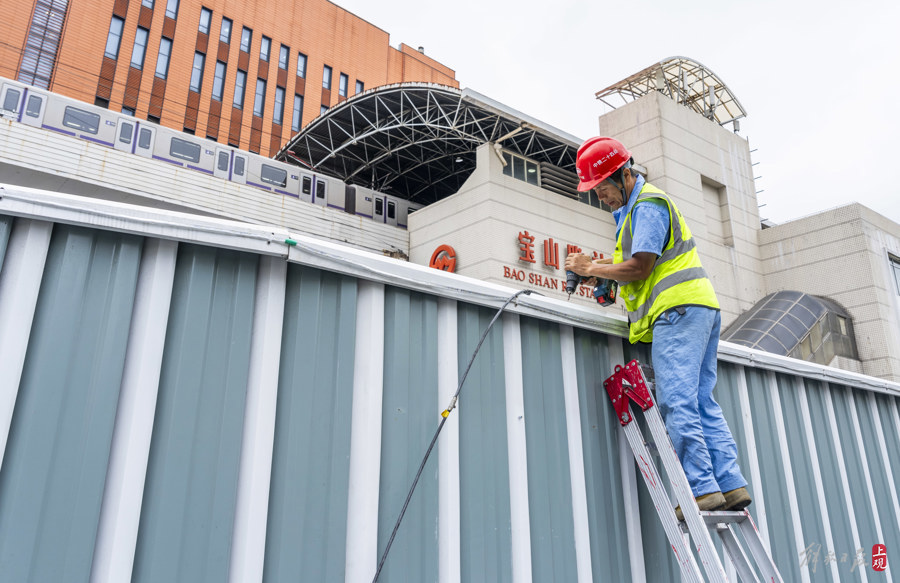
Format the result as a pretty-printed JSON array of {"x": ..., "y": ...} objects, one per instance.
[
  {"x": 11, "y": 100},
  {"x": 239, "y": 169},
  {"x": 146, "y": 136},
  {"x": 35, "y": 104},
  {"x": 126, "y": 140},
  {"x": 390, "y": 215},
  {"x": 223, "y": 163},
  {"x": 378, "y": 212},
  {"x": 321, "y": 196},
  {"x": 306, "y": 187}
]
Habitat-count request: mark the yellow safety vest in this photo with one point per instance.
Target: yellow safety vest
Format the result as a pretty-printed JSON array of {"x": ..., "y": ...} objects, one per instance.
[{"x": 677, "y": 279}]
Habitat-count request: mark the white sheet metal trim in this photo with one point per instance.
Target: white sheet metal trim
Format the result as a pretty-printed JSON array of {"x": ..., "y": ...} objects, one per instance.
[
  {"x": 42, "y": 204},
  {"x": 576, "y": 456},
  {"x": 842, "y": 472},
  {"x": 788, "y": 470},
  {"x": 817, "y": 473},
  {"x": 120, "y": 511},
  {"x": 882, "y": 445},
  {"x": 20, "y": 284},
  {"x": 520, "y": 518},
  {"x": 365, "y": 435},
  {"x": 248, "y": 547},
  {"x": 630, "y": 499},
  {"x": 861, "y": 446},
  {"x": 759, "y": 503},
  {"x": 449, "y": 568}
]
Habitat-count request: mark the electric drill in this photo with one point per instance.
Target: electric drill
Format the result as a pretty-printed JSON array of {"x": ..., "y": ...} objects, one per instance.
[{"x": 605, "y": 291}]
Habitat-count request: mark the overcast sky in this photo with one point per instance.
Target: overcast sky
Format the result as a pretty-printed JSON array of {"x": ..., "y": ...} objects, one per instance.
[{"x": 820, "y": 80}]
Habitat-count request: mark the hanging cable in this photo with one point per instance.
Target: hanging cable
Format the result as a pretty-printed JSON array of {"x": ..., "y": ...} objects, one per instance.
[{"x": 444, "y": 414}]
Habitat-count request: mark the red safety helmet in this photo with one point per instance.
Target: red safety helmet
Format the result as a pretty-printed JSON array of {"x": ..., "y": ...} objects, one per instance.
[{"x": 598, "y": 159}]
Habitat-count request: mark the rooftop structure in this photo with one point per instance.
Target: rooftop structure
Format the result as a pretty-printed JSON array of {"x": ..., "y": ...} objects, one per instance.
[
  {"x": 418, "y": 140},
  {"x": 684, "y": 80}
]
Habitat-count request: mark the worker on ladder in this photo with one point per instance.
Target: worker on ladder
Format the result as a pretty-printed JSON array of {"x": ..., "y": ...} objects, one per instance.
[{"x": 671, "y": 303}]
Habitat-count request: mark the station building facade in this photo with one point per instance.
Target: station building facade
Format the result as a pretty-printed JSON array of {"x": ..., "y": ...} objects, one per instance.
[{"x": 247, "y": 74}]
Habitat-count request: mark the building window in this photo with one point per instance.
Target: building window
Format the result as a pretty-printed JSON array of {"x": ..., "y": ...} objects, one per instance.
[
  {"x": 259, "y": 102},
  {"x": 115, "y": 38},
  {"x": 301, "y": 65},
  {"x": 225, "y": 32},
  {"x": 148, "y": 4},
  {"x": 326, "y": 77},
  {"x": 219, "y": 81},
  {"x": 42, "y": 42},
  {"x": 895, "y": 268},
  {"x": 197, "y": 72},
  {"x": 278, "y": 114},
  {"x": 140, "y": 48},
  {"x": 240, "y": 84},
  {"x": 298, "y": 113},
  {"x": 246, "y": 39},
  {"x": 342, "y": 85},
  {"x": 323, "y": 109},
  {"x": 172, "y": 9},
  {"x": 360, "y": 87},
  {"x": 162, "y": 60},
  {"x": 128, "y": 111},
  {"x": 264, "y": 47},
  {"x": 520, "y": 168},
  {"x": 283, "y": 56},
  {"x": 205, "y": 19}
]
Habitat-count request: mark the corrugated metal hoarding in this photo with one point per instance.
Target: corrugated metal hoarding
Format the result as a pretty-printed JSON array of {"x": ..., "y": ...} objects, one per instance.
[{"x": 186, "y": 399}]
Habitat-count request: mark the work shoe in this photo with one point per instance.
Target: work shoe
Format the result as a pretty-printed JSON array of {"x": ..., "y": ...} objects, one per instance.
[
  {"x": 711, "y": 501},
  {"x": 737, "y": 499}
]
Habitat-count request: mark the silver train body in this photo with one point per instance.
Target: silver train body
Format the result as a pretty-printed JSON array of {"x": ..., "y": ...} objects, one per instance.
[{"x": 54, "y": 112}]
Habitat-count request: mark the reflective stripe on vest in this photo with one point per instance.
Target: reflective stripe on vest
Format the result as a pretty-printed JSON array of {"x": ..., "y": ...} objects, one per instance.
[{"x": 662, "y": 285}]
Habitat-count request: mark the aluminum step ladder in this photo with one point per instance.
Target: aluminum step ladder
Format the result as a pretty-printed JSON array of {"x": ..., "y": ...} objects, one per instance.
[{"x": 630, "y": 383}]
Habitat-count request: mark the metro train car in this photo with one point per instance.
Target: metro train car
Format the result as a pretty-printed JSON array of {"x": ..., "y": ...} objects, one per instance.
[{"x": 35, "y": 107}]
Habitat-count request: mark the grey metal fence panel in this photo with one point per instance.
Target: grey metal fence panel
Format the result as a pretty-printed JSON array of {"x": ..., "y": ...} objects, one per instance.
[
  {"x": 549, "y": 478},
  {"x": 485, "y": 536},
  {"x": 54, "y": 470},
  {"x": 410, "y": 415},
  {"x": 6, "y": 223},
  {"x": 884, "y": 470},
  {"x": 835, "y": 501},
  {"x": 774, "y": 485},
  {"x": 187, "y": 514},
  {"x": 307, "y": 523},
  {"x": 603, "y": 477}
]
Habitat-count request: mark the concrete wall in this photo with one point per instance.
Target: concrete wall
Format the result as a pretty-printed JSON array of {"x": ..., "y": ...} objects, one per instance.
[
  {"x": 483, "y": 220},
  {"x": 843, "y": 254},
  {"x": 707, "y": 171}
]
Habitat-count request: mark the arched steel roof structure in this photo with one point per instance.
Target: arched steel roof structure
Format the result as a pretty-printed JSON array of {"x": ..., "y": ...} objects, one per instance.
[
  {"x": 684, "y": 80},
  {"x": 417, "y": 140}
]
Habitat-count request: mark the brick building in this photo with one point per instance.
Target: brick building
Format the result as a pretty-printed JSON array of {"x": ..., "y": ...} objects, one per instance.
[{"x": 244, "y": 73}]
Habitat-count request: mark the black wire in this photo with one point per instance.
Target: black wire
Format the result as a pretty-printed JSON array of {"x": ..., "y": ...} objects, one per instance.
[{"x": 440, "y": 427}]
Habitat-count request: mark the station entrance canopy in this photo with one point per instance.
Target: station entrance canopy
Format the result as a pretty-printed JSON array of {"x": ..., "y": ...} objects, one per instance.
[{"x": 417, "y": 141}]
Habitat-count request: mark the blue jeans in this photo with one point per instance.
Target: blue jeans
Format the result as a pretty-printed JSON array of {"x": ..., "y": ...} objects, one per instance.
[{"x": 684, "y": 361}]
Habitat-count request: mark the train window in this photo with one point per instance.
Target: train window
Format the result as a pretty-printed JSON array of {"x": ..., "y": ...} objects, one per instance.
[
  {"x": 144, "y": 138},
  {"x": 273, "y": 175},
  {"x": 307, "y": 185},
  {"x": 239, "y": 162},
  {"x": 392, "y": 210},
  {"x": 379, "y": 206},
  {"x": 185, "y": 150},
  {"x": 320, "y": 189},
  {"x": 223, "y": 161},
  {"x": 127, "y": 131},
  {"x": 80, "y": 119},
  {"x": 33, "y": 108},
  {"x": 11, "y": 102}
]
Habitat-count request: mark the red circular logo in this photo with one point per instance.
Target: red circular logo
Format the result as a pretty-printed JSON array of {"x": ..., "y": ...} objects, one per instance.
[{"x": 444, "y": 258}]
